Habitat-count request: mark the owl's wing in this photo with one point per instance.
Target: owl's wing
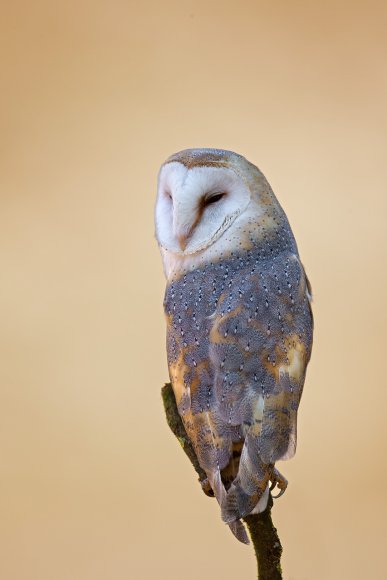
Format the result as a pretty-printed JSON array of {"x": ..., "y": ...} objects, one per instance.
[{"x": 261, "y": 340}]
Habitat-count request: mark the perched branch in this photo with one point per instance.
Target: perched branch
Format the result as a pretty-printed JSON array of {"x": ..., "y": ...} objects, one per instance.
[
  {"x": 266, "y": 543},
  {"x": 263, "y": 534}
]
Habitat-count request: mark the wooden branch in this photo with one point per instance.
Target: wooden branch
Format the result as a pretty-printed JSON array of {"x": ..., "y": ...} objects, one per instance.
[
  {"x": 263, "y": 534},
  {"x": 267, "y": 545}
]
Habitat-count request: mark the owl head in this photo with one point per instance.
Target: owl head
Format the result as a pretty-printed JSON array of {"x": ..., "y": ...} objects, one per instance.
[
  {"x": 208, "y": 196},
  {"x": 199, "y": 196}
]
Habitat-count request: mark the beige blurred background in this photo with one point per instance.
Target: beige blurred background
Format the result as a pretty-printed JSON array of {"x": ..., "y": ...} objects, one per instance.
[{"x": 94, "y": 96}]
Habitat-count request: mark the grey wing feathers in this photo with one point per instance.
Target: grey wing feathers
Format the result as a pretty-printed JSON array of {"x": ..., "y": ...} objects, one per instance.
[{"x": 260, "y": 346}]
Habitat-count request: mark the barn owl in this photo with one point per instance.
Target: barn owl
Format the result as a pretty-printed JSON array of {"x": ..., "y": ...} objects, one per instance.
[{"x": 239, "y": 322}]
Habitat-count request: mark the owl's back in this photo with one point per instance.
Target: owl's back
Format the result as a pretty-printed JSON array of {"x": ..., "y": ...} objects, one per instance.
[{"x": 239, "y": 339}]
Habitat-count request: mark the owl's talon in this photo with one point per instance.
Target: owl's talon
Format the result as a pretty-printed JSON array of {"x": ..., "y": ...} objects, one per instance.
[
  {"x": 279, "y": 494},
  {"x": 278, "y": 480},
  {"x": 206, "y": 487}
]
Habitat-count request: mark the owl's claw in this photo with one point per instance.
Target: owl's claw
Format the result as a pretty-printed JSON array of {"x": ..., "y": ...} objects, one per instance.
[
  {"x": 278, "y": 480},
  {"x": 206, "y": 487}
]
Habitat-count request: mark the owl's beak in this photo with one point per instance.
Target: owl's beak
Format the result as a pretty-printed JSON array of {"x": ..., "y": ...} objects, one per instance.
[
  {"x": 184, "y": 224},
  {"x": 183, "y": 240}
]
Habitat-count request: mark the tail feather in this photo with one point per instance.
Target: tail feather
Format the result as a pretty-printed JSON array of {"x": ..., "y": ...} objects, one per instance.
[
  {"x": 236, "y": 527},
  {"x": 239, "y": 531},
  {"x": 249, "y": 486}
]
